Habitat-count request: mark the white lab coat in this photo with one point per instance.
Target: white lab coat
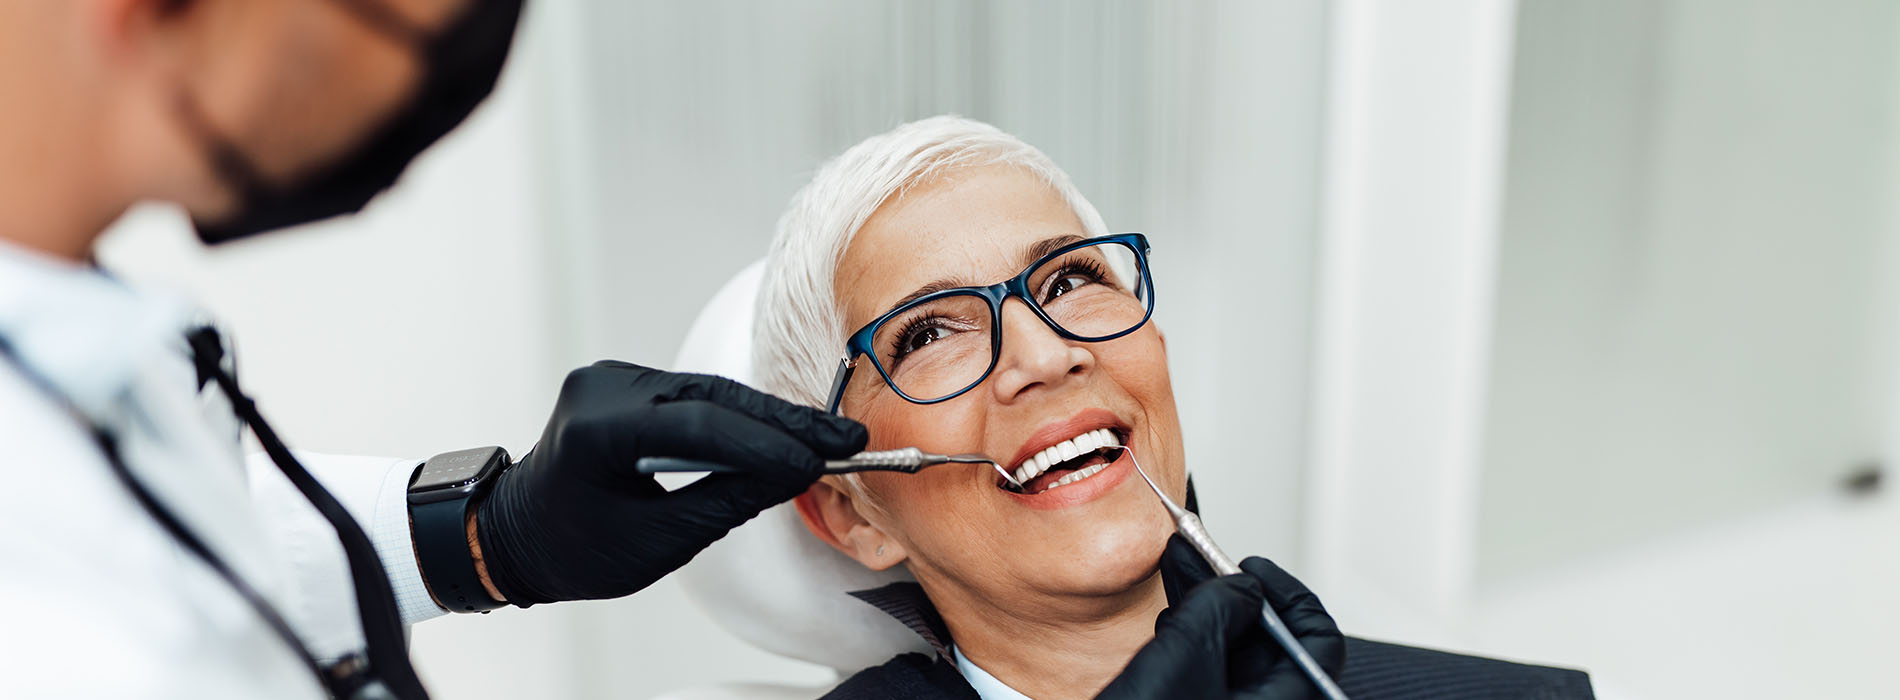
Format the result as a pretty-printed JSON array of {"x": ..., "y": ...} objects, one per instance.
[{"x": 96, "y": 600}]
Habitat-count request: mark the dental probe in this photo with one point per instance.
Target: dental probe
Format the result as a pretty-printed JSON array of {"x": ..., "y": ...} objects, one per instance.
[
  {"x": 908, "y": 460},
  {"x": 1191, "y": 529}
]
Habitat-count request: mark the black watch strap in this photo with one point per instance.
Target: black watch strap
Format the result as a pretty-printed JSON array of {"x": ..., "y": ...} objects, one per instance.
[{"x": 438, "y": 518}]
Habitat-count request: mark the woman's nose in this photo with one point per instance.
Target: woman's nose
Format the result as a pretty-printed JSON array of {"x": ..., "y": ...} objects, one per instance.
[{"x": 1033, "y": 356}]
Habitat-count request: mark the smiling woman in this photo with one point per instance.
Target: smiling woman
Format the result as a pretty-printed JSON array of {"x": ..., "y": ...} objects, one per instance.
[{"x": 997, "y": 315}]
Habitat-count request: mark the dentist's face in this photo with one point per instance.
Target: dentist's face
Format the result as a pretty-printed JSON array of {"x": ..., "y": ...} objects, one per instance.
[
  {"x": 1094, "y": 538},
  {"x": 292, "y": 84}
]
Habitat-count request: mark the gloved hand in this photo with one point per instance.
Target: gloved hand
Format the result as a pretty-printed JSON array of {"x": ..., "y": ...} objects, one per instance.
[
  {"x": 573, "y": 520},
  {"x": 1210, "y": 642}
]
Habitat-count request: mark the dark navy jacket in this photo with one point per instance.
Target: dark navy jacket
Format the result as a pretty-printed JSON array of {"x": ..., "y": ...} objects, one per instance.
[{"x": 1374, "y": 670}]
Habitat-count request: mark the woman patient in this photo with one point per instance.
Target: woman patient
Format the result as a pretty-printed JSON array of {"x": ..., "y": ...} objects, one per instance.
[{"x": 983, "y": 306}]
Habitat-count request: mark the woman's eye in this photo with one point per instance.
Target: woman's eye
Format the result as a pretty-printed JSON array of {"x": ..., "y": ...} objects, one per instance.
[
  {"x": 917, "y": 339},
  {"x": 1065, "y": 284}
]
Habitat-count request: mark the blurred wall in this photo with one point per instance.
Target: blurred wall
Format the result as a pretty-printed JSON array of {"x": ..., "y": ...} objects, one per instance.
[
  {"x": 1416, "y": 108},
  {"x": 1690, "y": 310},
  {"x": 1603, "y": 312},
  {"x": 1694, "y": 350}
]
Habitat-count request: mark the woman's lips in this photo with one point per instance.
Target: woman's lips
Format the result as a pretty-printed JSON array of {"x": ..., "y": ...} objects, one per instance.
[
  {"x": 1052, "y": 433},
  {"x": 1082, "y": 491}
]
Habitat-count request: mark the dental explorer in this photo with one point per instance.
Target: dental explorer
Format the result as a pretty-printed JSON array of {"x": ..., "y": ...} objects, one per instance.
[
  {"x": 1191, "y": 529},
  {"x": 908, "y": 460}
]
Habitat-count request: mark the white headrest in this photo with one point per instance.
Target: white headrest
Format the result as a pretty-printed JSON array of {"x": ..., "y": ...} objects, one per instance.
[{"x": 771, "y": 582}]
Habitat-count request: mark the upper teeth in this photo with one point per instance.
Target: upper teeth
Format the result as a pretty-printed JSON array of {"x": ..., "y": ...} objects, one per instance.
[{"x": 1064, "y": 451}]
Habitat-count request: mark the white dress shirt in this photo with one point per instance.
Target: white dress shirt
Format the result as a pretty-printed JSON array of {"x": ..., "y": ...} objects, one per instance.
[
  {"x": 986, "y": 685},
  {"x": 99, "y": 601}
]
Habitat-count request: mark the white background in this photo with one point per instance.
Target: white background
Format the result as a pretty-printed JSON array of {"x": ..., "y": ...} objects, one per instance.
[{"x": 1464, "y": 298}]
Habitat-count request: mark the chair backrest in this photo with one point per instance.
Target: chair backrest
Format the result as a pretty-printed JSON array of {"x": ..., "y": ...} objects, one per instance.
[{"x": 770, "y": 582}]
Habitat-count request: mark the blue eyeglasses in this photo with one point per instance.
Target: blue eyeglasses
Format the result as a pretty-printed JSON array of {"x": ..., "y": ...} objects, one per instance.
[{"x": 939, "y": 345}]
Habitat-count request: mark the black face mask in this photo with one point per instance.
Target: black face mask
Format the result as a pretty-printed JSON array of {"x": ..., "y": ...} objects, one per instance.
[{"x": 462, "y": 64}]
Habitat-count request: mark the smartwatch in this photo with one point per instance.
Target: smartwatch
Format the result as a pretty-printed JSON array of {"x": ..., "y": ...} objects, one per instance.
[{"x": 440, "y": 494}]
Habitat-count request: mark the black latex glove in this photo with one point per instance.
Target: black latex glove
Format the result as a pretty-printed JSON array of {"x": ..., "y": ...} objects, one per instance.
[
  {"x": 1210, "y": 642},
  {"x": 573, "y": 520}
]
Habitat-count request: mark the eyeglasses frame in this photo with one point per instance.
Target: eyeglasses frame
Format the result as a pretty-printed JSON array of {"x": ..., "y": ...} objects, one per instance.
[{"x": 859, "y": 343}]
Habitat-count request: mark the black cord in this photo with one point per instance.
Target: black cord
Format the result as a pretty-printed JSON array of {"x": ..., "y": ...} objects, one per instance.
[
  {"x": 376, "y": 605},
  {"x": 108, "y": 447},
  {"x": 388, "y": 650},
  {"x": 190, "y": 540}
]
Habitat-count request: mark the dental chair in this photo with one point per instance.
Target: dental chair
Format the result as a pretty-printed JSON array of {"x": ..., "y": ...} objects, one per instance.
[{"x": 769, "y": 582}]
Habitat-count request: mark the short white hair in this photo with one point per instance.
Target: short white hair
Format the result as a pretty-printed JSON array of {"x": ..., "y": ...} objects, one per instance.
[{"x": 798, "y": 332}]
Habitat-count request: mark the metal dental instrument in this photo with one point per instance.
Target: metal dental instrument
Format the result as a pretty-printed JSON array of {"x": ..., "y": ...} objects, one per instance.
[
  {"x": 904, "y": 459},
  {"x": 1191, "y": 529}
]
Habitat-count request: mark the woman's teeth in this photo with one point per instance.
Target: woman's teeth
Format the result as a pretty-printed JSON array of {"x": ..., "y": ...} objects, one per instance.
[
  {"x": 1064, "y": 451},
  {"x": 1076, "y": 476}
]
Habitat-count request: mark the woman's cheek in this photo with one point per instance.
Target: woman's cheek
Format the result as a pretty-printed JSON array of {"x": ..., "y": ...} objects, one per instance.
[
  {"x": 928, "y": 518},
  {"x": 1141, "y": 370},
  {"x": 884, "y": 427}
]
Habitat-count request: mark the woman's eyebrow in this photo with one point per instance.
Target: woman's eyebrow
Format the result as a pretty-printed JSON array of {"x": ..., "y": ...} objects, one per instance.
[
  {"x": 1030, "y": 255},
  {"x": 927, "y": 290},
  {"x": 1036, "y": 250}
]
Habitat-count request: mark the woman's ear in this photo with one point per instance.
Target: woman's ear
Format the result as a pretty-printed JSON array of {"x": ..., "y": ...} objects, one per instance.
[{"x": 831, "y": 514}]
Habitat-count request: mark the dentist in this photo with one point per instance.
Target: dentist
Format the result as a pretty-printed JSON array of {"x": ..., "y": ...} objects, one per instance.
[{"x": 142, "y": 555}]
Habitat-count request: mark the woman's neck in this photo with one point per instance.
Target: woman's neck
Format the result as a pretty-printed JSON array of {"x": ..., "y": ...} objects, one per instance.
[{"x": 1056, "y": 653}]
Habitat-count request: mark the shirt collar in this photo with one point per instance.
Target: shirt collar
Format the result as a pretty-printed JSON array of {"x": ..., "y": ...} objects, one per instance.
[
  {"x": 905, "y": 601},
  {"x": 80, "y": 329}
]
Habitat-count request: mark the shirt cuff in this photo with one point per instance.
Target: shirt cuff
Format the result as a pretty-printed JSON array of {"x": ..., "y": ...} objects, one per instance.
[{"x": 395, "y": 545}]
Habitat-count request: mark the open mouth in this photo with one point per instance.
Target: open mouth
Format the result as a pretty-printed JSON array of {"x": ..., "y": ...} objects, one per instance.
[{"x": 1066, "y": 462}]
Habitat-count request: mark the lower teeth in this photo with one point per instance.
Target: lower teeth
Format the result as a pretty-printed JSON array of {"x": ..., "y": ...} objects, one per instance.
[{"x": 1077, "y": 476}]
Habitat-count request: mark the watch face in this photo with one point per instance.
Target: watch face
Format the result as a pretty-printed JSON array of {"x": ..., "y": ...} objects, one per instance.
[{"x": 455, "y": 469}]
